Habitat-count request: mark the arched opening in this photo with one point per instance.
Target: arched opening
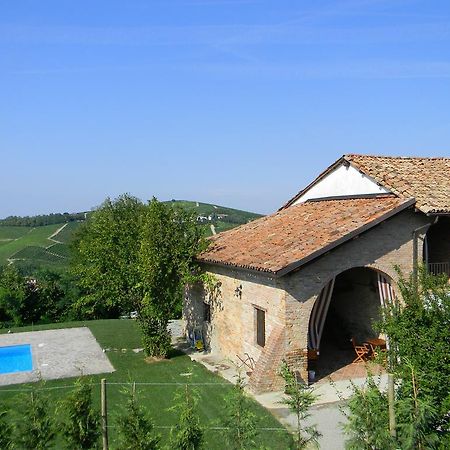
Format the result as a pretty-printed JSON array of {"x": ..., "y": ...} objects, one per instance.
[
  {"x": 354, "y": 305},
  {"x": 437, "y": 247}
]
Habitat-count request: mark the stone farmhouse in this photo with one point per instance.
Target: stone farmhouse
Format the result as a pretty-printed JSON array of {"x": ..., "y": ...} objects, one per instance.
[{"x": 311, "y": 276}]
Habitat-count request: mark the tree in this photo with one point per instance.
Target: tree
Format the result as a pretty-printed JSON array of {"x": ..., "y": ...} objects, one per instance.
[
  {"x": 240, "y": 420},
  {"x": 135, "y": 427},
  {"x": 169, "y": 243},
  {"x": 368, "y": 421},
  {"x": 13, "y": 292},
  {"x": 105, "y": 261},
  {"x": 187, "y": 434},
  {"x": 35, "y": 429},
  {"x": 299, "y": 398},
  {"x": 81, "y": 429}
]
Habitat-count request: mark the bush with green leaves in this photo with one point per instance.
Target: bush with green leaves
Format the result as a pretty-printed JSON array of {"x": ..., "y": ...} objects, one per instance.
[
  {"x": 187, "y": 434},
  {"x": 35, "y": 428},
  {"x": 299, "y": 399},
  {"x": 135, "y": 428},
  {"x": 240, "y": 420},
  {"x": 81, "y": 429},
  {"x": 368, "y": 418},
  {"x": 6, "y": 429},
  {"x": 417, "y": 326}
]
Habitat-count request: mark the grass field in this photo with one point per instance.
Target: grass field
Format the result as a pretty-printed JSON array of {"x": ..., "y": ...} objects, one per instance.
[
  {"x": 8, "y": 232},
  {"x": 125, "y": 335}
]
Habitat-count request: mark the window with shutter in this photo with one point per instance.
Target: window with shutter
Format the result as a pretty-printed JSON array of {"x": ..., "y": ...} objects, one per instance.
[{"x": 260, "y": 327}]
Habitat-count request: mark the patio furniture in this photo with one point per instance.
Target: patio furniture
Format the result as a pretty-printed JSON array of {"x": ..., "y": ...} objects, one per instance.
[
  {"x": 362, "y": 351},
  {"x": 376, "y": 345}
]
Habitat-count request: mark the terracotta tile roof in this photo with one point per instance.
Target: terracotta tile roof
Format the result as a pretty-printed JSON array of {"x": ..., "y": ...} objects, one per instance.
[
  {"x": 426, "y": 179},
  {"x": 291, "y": 237}
]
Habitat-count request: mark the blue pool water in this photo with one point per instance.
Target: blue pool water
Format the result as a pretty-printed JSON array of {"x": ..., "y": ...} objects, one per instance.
[{"x": 15, "y": 358}]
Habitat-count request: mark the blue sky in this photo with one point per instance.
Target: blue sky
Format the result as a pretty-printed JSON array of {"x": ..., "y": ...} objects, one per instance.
[{"x": 234, "y": 102}]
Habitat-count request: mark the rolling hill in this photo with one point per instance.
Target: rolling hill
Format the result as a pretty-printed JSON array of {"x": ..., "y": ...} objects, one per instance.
[
  {"x": 215, "y": 217},
  {"x": 33, "y": 247}
]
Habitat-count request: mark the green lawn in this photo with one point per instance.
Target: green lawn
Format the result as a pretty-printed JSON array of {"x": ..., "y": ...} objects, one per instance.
[
  {"x": 124, "y": 334},
  {"x": 11, "y": 232}
]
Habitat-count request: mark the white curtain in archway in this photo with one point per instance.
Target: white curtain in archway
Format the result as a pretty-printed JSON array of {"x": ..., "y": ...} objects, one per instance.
[
  {"x": 385, "y": 290},
  {"x": 319, "y": 315}
]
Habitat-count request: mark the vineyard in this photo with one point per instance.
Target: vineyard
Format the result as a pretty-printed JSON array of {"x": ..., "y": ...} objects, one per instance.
[
  {"x": 48, "y": 246},
  {"x": 32, "y": 246}
]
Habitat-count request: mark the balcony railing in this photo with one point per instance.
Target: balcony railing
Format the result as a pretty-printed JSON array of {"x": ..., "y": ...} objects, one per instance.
[{"x": 439, "y": 268}]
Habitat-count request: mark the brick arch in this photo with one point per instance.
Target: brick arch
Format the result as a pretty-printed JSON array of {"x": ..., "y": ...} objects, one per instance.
[
  {"x": 390, "y": 274},
  {"x": 312, "y": 302}
]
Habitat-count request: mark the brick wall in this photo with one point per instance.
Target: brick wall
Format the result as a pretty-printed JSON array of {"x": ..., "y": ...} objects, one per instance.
[{"x": 233, "y": 329}]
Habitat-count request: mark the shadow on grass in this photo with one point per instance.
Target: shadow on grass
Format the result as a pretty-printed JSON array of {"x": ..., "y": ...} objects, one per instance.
[{"x": 174, "y": 353}]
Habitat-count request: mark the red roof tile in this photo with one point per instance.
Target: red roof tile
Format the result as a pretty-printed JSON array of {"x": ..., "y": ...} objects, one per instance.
[
  {"x": 291, "y": 237},
  {"x": 426, "y": 179}
]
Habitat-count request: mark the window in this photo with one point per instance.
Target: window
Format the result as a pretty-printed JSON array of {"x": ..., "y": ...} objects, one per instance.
[
  {"x": 206, "y": 312},
  {"x": 260, "y": 327}
]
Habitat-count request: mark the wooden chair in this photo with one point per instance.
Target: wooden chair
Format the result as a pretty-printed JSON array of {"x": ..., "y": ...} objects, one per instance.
[{"x": 362, "y": 351}]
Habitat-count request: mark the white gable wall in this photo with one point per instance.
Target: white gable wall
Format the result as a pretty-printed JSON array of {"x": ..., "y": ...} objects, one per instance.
[{"x": 343, "y": 180}]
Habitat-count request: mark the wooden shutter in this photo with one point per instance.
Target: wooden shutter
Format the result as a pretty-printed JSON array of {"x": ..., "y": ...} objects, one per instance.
[{"x": 260, "y": 327}]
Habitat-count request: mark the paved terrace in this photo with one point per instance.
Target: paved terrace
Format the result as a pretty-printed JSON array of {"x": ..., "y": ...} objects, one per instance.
[{"x": 64, "y": 353}]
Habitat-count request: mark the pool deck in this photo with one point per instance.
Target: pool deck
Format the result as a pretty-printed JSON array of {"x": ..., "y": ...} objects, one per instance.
[{"x": 56, "y": 354}]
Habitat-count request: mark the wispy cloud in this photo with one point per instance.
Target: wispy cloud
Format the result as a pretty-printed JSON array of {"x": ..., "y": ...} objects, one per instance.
[
  {"x": 350, "y": 69},
  {"x": 285, "y": 33}
]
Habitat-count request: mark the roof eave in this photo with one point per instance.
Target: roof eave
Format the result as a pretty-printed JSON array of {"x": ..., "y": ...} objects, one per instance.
[{"x": 297, "y": 264}]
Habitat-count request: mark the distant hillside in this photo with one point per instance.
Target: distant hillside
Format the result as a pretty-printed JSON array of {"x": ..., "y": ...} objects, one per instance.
[
  {"x": 36, "y": 247},
  {"x": 220, "y": 217},
  {"x": 39, "y": 241},
  {"x": 42, "y": 219}
]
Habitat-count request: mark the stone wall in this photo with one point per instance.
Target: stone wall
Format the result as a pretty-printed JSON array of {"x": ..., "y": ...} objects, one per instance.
[{"x": 232, "y": 330}]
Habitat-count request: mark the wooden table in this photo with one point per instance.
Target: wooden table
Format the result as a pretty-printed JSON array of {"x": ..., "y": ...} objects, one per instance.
[
  {"x": 376, "y": 342},
  {"x": 376, "y": 345}
]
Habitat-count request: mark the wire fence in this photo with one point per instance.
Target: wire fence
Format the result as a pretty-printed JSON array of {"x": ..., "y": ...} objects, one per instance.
[{"x": 103, "y": 384}]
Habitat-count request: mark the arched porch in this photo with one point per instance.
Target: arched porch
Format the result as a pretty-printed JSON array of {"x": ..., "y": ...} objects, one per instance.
[{"x": 348, "y": 307}]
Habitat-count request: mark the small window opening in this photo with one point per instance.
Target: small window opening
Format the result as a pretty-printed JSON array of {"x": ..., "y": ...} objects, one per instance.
[
  {"x": 206, "y": 312},
  {"x": 260, "y": 327}
]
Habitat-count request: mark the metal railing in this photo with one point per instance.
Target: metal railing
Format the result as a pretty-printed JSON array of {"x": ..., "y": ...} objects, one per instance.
[{"x": 439, "y": 268}]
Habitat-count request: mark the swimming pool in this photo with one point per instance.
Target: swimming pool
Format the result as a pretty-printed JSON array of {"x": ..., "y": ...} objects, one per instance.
[{"x": 15, "y": 358}]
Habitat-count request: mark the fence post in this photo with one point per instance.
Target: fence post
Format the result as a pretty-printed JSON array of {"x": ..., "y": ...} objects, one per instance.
[
  {"x": 391, "y": 399},
  {"x": 104, "y": 415}
]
